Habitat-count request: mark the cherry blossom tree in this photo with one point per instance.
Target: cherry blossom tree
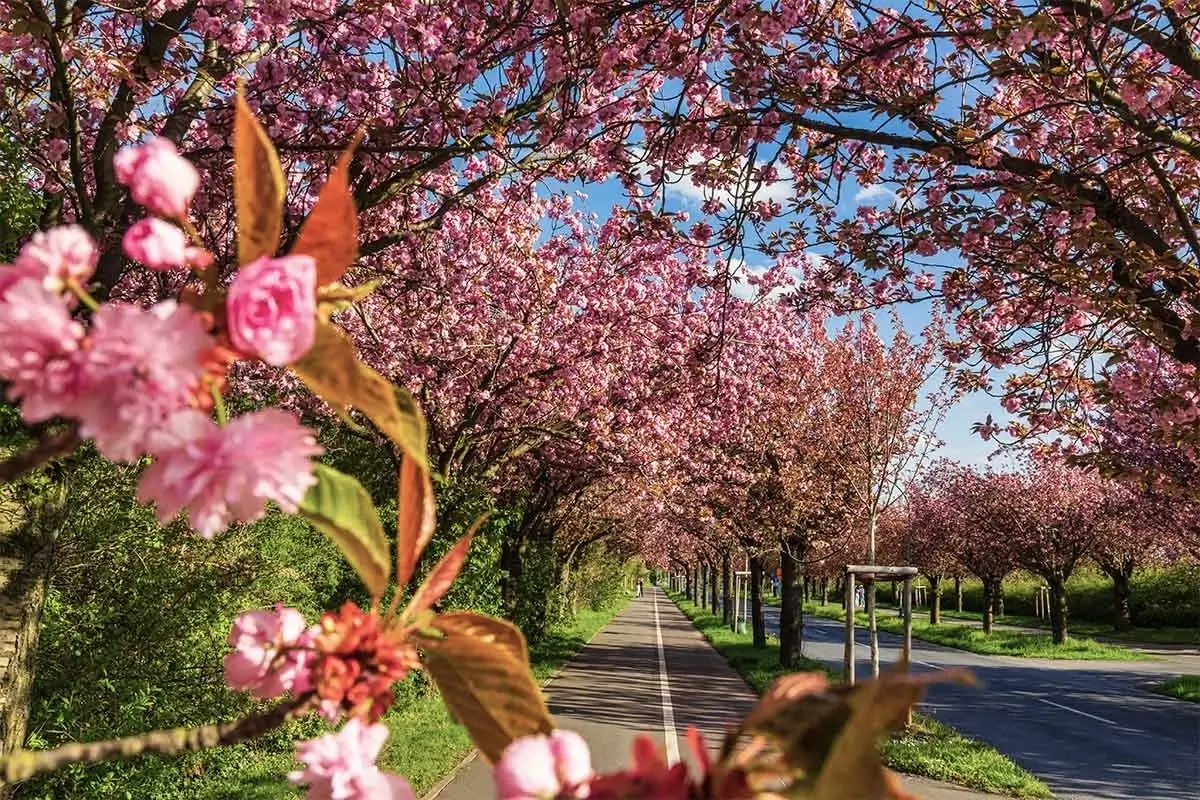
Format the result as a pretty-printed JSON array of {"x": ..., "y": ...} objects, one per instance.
[
  {"x": 880, "y": 427},
  {"x": 985, "y": 523},
  {"x": 1057, "y": 513}
]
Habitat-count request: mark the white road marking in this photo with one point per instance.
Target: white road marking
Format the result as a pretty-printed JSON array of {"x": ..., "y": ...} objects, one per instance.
[
  {"x": 665, "y": 684},
  {"x": 1068, "y": 708}
]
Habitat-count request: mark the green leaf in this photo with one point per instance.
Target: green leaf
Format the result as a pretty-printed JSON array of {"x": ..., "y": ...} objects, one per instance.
[{"x": 340, "y": 507}]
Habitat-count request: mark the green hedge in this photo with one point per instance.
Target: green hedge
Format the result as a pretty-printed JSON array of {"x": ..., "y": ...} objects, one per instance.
[{"x": 1159, "y": 597}]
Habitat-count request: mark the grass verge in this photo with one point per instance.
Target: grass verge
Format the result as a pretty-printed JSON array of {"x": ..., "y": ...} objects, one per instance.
[
  {"x": 1183, "y": 687},
  {"x": 425, "y": 743},
  {"x": 996, "y": 643},
  {"x": 930, "y": 748},
  {"x": 1136, "y": 636}
]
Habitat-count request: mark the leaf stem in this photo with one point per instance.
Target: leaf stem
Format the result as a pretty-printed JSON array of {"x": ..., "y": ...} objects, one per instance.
[
  {"x": 84, "y": 296},
  {"x": 219, "y": 405}
]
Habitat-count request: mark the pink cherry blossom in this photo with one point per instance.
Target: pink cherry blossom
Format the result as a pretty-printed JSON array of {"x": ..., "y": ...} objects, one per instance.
[
  {"x": 62, "y": 254},
  {"x": 157, "y": 244},
  {"x": 271, "y": 652},
  {"x": 141, "y": 367},
  {"x": 544, "y": 767},
  {"x": 38, "y": 341},
  {"x": 159, "y": 179},
  {"x": 271, "y": 308},
  {"x": 341, "y": 766},
  {"x": 226, "y": 474},
  {"x": 12, "y": 274}
]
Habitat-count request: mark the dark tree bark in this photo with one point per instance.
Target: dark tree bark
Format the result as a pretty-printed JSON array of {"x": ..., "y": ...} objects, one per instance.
[
  {"x": 935, "y": 602},
  {"x": 824, "y": 591},
  {"x": 511, "y": 564},
  {"x": 758, "y": 623},
  {"x": 1058, "y": 608},
  {"x": 726, "y": 588},
  {"x": 987, "y": 606},
  {"x": 791, "y": 610},
  {"x": 1121, "y": 573},
  {"x": 713, "y": 588}
]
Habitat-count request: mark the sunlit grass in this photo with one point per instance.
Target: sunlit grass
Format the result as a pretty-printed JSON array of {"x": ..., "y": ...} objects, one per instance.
[
  {"x": 996, "y": 643},
  {"x": 1183, "y": 687}
]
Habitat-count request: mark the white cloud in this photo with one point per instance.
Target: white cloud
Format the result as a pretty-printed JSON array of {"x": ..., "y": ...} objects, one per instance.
[{"x": 871, "y": 195}]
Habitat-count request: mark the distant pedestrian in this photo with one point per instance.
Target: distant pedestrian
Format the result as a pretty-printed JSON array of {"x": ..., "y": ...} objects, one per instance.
[
  {"x": 860, "y": 597},
  {"x": 640, "y": 587}
]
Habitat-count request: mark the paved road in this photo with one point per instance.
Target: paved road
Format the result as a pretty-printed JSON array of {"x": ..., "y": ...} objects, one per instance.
[
  {"x": 622, "y": 684},
  {"x": 1089, "y": 729}
]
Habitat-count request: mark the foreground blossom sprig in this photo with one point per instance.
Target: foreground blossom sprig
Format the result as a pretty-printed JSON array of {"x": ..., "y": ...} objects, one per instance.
[
  {"x": 272, "y": 652},
  {"x": 159, "y": 179},
  {"x": 341, "y": 766},
  {"x": 229, "y": 473},
  {"x": 542, "y": 767},
  {"x": 271, "y": 309},
  {"x": 358, "y": 663}
]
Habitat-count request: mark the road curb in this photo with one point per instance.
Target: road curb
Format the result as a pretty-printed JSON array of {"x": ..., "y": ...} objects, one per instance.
[{"x": 441, "y": 785}]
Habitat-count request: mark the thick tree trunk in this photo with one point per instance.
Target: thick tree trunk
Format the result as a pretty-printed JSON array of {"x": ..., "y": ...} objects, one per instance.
[
  {"x": 726, "y": 589},
  {"x": 935, "y": 602},
  {"x": 998, "y": 600},
  {"x": 791, "y": 612},
  {"x": 1123, "y": 617},
  {"x": 958, "y": 593},
  {"x": 511, "y": 564},
  {"x": 758, "y": 623},
  {"x": 1058, "y": 609},
  {"x": 987, "y": 606}
]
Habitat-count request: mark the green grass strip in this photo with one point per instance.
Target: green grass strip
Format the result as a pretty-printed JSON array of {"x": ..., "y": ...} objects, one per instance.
[
  {"x": 1135, "y": 636},
  {"x": 1183, "y": 687},
  {"x": 930, "y": 748},
  {"x": 997, "y": 643}
]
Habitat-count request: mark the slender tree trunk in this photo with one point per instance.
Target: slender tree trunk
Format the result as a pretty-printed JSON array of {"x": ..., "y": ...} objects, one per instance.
[
  {"x": 872, "y": 622},
  {"x": 1123, "y": 618},
  {"x": 958, "y": 593},
  {"x": 791, "y": 611},
  {"x": 713, "y": 587},
  {"x": 987, "y": 606},
  {"x": 726, "y": 589},
  {"x": 758, "y": 623},
  {"x": 935, "y": 602},
  {"x": 824, "y": 591},
  {"x": 1058, "y": 609}
]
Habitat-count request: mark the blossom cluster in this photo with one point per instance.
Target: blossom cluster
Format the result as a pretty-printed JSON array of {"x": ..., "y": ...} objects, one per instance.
[
  {"x": 350, "y": 665},
  {"x": 142, "y": 381}
]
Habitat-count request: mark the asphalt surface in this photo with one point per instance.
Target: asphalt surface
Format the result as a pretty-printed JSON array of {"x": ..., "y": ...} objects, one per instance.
[
  {"x": 1089, "y": 729},
  {"x": 621, "y": 684}
]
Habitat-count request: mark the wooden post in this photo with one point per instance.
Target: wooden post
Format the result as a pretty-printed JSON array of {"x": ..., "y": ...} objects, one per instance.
[
  {"x": 848, "y": 658},
  {"x": 908, "y": 615},
  {"x": 737, "y": 605}
]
